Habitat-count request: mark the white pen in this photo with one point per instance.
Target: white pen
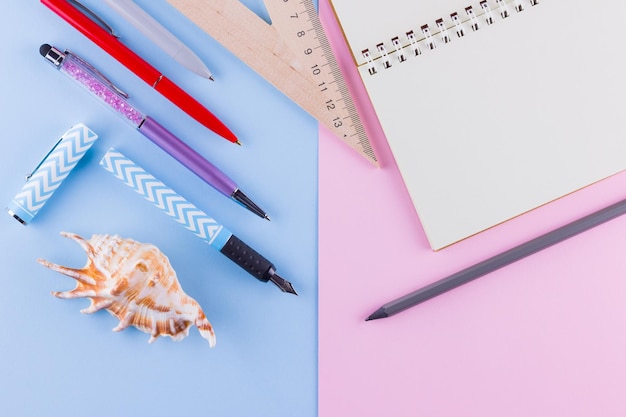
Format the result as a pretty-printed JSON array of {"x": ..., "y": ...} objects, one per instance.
[{"x": 152, "y": 29}]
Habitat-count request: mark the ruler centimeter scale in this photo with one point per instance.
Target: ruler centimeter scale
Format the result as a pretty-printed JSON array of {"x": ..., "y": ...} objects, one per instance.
[
  {"x": 301, "y": 27},
  {"x": 293, "y": 54}
]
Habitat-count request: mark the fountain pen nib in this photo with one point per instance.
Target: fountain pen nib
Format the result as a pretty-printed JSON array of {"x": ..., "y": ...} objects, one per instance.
[{"x": 283, "y": 284}]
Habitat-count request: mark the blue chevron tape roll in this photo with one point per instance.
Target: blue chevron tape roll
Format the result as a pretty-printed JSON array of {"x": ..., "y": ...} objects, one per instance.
[
  {"x": 51, "y": 173},
  {"x": 166, "y": 199}
]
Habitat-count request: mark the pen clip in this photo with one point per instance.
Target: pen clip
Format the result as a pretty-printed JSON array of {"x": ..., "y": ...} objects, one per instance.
[
  {"x": 28, "y": 176},
  {"x": 94, "y": 17},
  {"x": 98, "y": 74}
]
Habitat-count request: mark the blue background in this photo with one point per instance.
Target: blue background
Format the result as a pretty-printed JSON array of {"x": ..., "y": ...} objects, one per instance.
[{"x": 56, "y": 361}]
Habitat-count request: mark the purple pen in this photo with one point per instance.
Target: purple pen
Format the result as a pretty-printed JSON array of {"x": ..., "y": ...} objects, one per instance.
[{"x": 90, "y": 78}]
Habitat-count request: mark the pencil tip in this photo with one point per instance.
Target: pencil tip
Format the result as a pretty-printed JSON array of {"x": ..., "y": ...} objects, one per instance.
[
  {"x": 268, "y": 218},
  {"x": 238, "y": 143},
  {"x": 211, "y": 78},
  {"x": 378, "y": 314}
]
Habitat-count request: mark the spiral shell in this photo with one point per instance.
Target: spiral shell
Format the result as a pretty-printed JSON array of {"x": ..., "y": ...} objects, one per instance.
[{"x": 135, "y": 283}]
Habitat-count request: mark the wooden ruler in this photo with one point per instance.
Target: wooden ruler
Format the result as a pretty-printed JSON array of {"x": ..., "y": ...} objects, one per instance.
[{"x": 292, "y": 53}]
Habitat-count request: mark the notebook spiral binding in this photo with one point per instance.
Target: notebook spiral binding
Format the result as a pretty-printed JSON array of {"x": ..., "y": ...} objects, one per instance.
[{"x": 412, "y": 42}]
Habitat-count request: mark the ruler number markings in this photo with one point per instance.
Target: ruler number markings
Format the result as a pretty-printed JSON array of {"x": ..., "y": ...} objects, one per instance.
[
  {"x": 316, "y": 69},
  {"x": 325, "y": 71}
]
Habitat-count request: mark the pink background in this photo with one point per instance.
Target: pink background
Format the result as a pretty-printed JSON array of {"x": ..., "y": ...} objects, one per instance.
[{"x": 545, "y": 336}]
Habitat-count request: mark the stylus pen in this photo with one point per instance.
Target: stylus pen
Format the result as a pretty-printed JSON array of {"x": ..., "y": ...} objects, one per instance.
[
  {"x": 194, "y": 219},
  {"x": 499, "y": 261},
  {"x": 163, "y": 38},
  {"x": 93, "y": 81},
  {"x": 67, "y": 10}
]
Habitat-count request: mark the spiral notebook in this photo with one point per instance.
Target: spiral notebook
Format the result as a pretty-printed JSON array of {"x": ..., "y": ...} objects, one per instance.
[{"x": 492, "y": 108}]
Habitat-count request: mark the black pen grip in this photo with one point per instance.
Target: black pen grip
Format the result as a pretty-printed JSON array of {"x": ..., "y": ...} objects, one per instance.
[{"x": 247, "y": 258}]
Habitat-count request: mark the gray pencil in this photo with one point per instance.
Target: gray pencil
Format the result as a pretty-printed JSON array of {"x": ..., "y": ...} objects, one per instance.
[{"x": 496, "y": 262}]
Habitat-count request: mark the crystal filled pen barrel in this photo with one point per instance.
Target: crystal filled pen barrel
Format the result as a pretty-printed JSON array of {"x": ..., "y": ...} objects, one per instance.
[
  {"x": 109, "y": 43},
  {"x": 94, "y": 82}
]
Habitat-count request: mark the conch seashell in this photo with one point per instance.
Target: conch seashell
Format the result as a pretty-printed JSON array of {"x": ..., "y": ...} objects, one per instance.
[{"x": 135, "y": 283}]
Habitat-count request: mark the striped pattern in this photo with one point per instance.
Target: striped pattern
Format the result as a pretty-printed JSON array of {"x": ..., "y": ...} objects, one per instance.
[
  {"x": 165, "y": 198},
  {"x": 54, "y": 168}
]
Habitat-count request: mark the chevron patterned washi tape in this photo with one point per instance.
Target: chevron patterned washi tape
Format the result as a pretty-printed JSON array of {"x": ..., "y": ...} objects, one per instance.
[
  {"x": 165, "y": 199},
  {"x": 51, "y": 172}
]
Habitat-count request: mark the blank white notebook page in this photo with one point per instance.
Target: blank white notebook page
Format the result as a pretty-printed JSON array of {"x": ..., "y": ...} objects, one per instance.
[{"x": 502, "y": 120}]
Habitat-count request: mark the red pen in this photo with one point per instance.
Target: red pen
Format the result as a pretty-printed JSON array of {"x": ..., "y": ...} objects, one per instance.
[{"x": 109, "y": 43}]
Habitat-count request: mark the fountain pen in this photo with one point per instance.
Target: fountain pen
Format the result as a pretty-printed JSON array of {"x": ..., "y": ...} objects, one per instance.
[
  {"x": 93, "y": 81},
  {"x": 194, "y": 219}
]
